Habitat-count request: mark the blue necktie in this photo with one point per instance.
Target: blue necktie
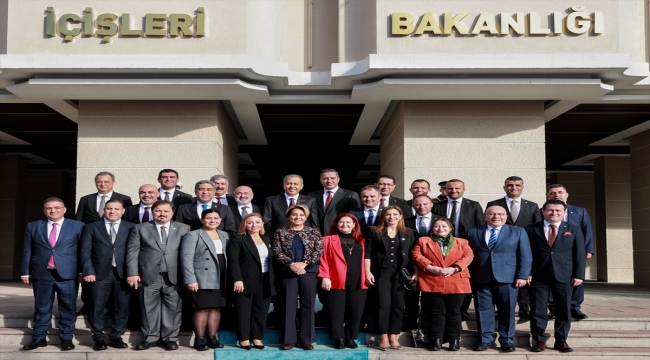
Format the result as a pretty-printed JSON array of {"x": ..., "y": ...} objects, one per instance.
[
  {"x": 371, "y": 218},
  {"x": 493, "y": 239},
  {"x": 205, "y": 207}
]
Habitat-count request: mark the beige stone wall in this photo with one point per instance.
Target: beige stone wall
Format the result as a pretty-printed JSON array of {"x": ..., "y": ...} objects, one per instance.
[
  {"x": 479, "y": 142},
  {"x": 136, "y": 139},
  {"x": 614, "y": 219},
  {"x": 580, "y": 186},
  {"x": 640, "y": 188},
  {"x": 357, "y": 24}
]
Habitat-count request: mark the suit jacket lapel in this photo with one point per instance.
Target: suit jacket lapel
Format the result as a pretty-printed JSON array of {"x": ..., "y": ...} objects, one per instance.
[
  {"x": 539, "y": 229},
  {"x": 156, "y": 236},
  {"x": 282, "y": 203},
  {"x": 437, "y": 253},
  {"x": 320, "y": 203},
  {"x": 42, "y": 228},
  {"x": 208, "y": 242},
  {"x": 250, "y": 244},
  {"x": 122, "y": 234},
  {"x": 92, "y": 203},
  {"x": 335, "y": 198},
  {"x": 104, "y": 232},
  {"x": 564, "y": 227},
  {"x": 503, "y": 234},
  {"x": 336, "y": 241}
]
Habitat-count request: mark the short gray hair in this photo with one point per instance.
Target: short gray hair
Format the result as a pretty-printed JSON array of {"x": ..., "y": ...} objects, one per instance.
[
  {"x": 198, "y": 183},
  {"x": 105, "y": 173},
  {"x": 219, "y": 176},
  {"x": 293, "y": 175}
]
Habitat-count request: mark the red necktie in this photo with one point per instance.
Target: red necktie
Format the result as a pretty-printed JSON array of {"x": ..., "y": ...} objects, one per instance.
[
  {"x": 328, "y": 200},
  {"x": 552, "y": 235},
  {"x": 218, "y": 200},
  {"x": 292, "y": 202},
  {"x": 145, "y": 215},
  {"x": 382, "y": 203},
  {"x": 52, "y": 240}
]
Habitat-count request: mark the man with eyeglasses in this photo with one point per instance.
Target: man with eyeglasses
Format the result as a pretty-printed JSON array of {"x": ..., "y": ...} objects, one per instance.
[{"x": 502, "y": 262}]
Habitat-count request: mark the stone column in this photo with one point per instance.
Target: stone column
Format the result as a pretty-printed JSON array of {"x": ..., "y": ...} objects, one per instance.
[
  {"x": 614, "y": 219},
  {"x": 12, "y": 215},
  {"x": 640, "y": 189},
  {"x": 136, "y": 139},
  {"x": 580, "y": 186},
  {"x": 479, "y": 142}
]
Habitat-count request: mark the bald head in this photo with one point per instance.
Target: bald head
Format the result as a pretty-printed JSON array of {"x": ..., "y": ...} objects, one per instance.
[
  {"x": 496, "y": 216},
  {"x": 243, "y": 195},
  {"x": 148, "y": 194}
]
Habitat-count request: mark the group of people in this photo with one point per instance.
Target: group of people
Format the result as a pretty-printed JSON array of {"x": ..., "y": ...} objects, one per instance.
[{"x": 423, "y": 261}]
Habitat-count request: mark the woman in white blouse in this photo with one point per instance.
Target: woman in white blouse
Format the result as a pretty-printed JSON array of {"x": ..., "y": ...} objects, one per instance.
[
  {"x": 203, "y": 261},
  {"x": 251, "y": 274}
]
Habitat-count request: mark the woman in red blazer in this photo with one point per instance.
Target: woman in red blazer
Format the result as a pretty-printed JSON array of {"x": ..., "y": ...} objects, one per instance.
[
  {"x": 443, "y": 278},
  {"x": 342, "y": 272}
]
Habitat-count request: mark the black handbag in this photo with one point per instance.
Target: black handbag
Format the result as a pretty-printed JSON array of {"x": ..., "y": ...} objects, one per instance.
[{"x": 405, "y": 278}]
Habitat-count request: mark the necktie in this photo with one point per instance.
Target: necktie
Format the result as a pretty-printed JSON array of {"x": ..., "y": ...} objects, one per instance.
[
  {"x": 163, "y": 235},
  {"x": 422, "y": 228},
  {"x": 514, "y": 210},
  {"x": 218, "y": 200},
  {"x": 371, "y": 217},
  {"x": 145, "y": 215},
  {"x": 552, "y": 235},
  {"x": 328, "y": 200},
  {"x": 113, "y": 236},
  {"x": 204, "y": 206},
  {"x": 493, "y": 239},
  {"x": 244, "y": 211},
  {"x": 382, "y": 203},
  {"x": 292, "y": 202},
  {"x": 167, "y": 195},
  {"x": 452, "y": 217},
  {"x": 52, "y": 240},
  {"x": 102, "y": 203}
]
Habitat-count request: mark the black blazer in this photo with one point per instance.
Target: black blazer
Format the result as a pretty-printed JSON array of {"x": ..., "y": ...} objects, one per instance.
[
  {"x": 234, "y": 208},
  {"x": 275, "y": 208},
  {"x": 132, "y": 214},
  {"x": 471, "y": 214},
  {"x": 528, "y": 213},
  {"x": 86, "y": 211},
  {"x": 96, "y": 250},
  {"x": 377, "y": 248},
  {"x": 244, "y": 264},
  {"x": 187, "y": 214},
  {"x": 402, "y": 204},
  {"x": 362, "y": 220},
  {"x": 342, "y": 201},
  {"x": 565, "y": 260},
  {"x": 180, "y": 198},
  {"x": 411, "y": 223}
]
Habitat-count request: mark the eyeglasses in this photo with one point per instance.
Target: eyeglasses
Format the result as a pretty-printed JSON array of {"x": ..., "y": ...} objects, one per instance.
[{"x": 54, "y": 208}]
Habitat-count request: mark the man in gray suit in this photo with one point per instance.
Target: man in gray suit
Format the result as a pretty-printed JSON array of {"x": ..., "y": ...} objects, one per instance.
[{"x": 152, "y": 267}]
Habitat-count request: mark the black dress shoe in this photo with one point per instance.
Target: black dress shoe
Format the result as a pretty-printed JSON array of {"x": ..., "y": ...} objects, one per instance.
[
  {"x": 214, "y": 343},
  {"x": 308, "y": 347},
  {"x": 259, "y": 347},
  {"x": 562, "y": 346},
  {"x": 435, "y": 345},
  {"x": 507, "y": 347},
  {"x": 200, "y": 344},
  {"x": 245, "y": 347},
  {"x": 482, "y": 346},
  {"x": 351, "y": 344},
  {"x": 454, "y": 345},
  {"x": 551, "y": 314},
  {"x": 117, "y": 343},
  {"x": 82, "y": 311},
  {"x": 100, "y": 345},
  {"x": 145, "y": 345},
  {"x": 288, "y": 346},
  {"x": 578, "y": 315},
  {"x": 524, "y": 314},
  {"x": 464, "y": 316},
  {"x": 338, "y": 344},
  {"x": 67, "y": 345},
  {"x": 171, "y": 345},
  {"x": 35, "y": 344}
]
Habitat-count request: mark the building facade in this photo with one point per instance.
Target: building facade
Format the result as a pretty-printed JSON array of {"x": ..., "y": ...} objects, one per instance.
[{"x": 551, "y": 91}]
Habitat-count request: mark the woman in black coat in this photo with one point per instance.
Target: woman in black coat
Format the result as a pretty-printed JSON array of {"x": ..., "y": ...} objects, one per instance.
[
  {"x": 249, "y": 255},
  {"x": 388, "y": 251}
]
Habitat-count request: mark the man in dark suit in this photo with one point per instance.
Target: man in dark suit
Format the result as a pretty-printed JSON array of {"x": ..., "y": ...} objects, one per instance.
[
  {"x": 579, "y": 217},
  {"x": 386, "y": 185},
  {"x": 152, "y": 268},
  {"x": 332, "y": 200},
  {"x": 521, "y": 213},
  {"x": 190, "y": 214},
  {"x": 464, "y": 214},
  {"x": 168, "y": 179},
  {"x": 49, "y": 264},
  {"x": 102, "y": 253},
  {"x": 368, "y": 214},
  {"x": 141, "y": 212},
  {"x": 91, "y": 207},
  {"x": 221, "y": 185},
  {"x": 276, "y": 206},
  {"x": 501, "y": 266},
  {"x": 558, "y": 265},
  {"x": 418, "y": 187},
  {"x": 243, "y": 205},
  {"x": 421, "y": 225}
]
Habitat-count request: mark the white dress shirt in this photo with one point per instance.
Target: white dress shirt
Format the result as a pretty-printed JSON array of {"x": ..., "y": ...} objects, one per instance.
[
  {"x": 58, "y": 228},
  {"x": 450, "y": 206},
  {"x": 287, "y": 197},
  {"x": 199, "y": 207},
  {"x": 167, "y": 227},
  {"x": 162, "y": 194},
  {"x": 488, "y": 233},
  {"x": 427, "y": 221},
  {"x": 509, "y": 201},
  {"x": 224, "y": 199},
  {"x": 325, "y": 194},
  {"x": 375, "y": 213},
  {"x": 107, "y": 224},
  {"x": 249, "y": 208},
  {"x": 141, "y": 212},
  {"x": 99, "y": 199},
  {"x": 547, "y": 228}
]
